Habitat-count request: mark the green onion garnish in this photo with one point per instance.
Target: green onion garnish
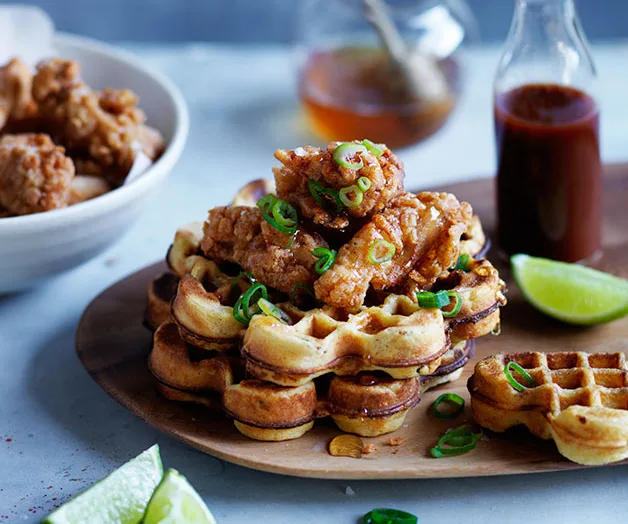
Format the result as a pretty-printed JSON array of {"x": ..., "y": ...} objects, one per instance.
[
  {"x": 266, "y": 203},
  {"x": 457, "y": 305},
  {"x": 325, "y": 196},
  {"x": 388, "y": 516},
  {"x": 284, "y": 217},
  {"x": 430, "y": 300},
  {"x": 301, "y": 286},
  {"x": 326, "y": 258},
  {"x": 242, "y": 276},
  {"x": 270, "y": 309},
  {"x": 458, "y": 441},
  {"x": 522, "y": 372},
  {"x": 351, "y": 196},
  {"x": 373, "y": 148},
  {"x": 450, "y": 398},
  {"x": 343, "y": 153},
  {"x": 364, "y": 183},
  {"x": 243, "y": 311},
  {"x": 381, "y": 251},
  {"x": 462, "y": 263},
  {"x": 439, "y": 300}
]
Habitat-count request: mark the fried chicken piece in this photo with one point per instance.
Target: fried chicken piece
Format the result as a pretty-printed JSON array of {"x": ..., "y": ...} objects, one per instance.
[
  {"x": 239, "y": 234},
  {"x": 106, "y": 127},
  {"x": 16, "y": 102},
  {"x": 35, "y": 174},
  {"x": 425, "y": 230},
  {"x": 312, "y": 163}
]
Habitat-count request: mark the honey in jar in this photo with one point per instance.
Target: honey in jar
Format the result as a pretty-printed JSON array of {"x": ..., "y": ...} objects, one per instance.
[{"x": 352, "y": 92}]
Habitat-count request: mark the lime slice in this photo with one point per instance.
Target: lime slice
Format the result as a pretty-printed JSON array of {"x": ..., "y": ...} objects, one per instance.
[
  {"x": 120, "y": 497},
  {"x": 176, "y": 502},
  {"x": 570, "y": 292}
]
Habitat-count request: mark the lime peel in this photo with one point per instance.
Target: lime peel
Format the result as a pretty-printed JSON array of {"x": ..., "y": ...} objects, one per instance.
[
  {"x": 122, "y": 496},
  {"x": 570, "y": 292},
  {"x": 176, "y": 502}
]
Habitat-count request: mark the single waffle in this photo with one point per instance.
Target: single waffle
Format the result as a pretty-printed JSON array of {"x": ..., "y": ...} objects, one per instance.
[
  {"x": 474, "y": 242},
  {"x": 580, "y": 400},
  {"x": 202, "y": 307},
  {"x": 397, "y": 337},
  {"x": 482, "y": 294},
  {"x": 161, "y": 291},
  {"x": 185, "y": 248},
  {"x": 249, "y": 194},
  {"x": 369, "y": 404}
]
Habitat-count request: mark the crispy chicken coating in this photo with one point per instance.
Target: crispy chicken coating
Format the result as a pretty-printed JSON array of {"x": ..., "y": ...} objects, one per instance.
[
  {"x": 35, "y": 174},
  {"x": 239, "y": 234},
  {"x": 425, "y": 230},
  {"x": 107, "y": 127},
  {"x": 312, "y": 163},
  {"x": 16, "y": 102}
]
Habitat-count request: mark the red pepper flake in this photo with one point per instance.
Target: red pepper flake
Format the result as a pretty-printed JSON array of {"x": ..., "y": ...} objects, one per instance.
[{"x": 9, "y": 439}]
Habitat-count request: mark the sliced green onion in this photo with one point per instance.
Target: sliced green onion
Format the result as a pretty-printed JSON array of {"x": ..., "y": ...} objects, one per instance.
[
  {"x": 325, "y": 196},
  {"x": 364, "y": 183},
  {"x": 326, "y": 258},
  {"x": 388, "y": 516},
  {"x": 242, "y": 275},
  {"x": 430, "y": 300},
  {"x": 266, "y": 202},
  {"x": 457, "y": 305},
  {"x": 439, "y": 300},
  {"x": 285, "y": 216},
  {"x": 377, "y": 256},
  {"x": 372, "y": 147},
  {"x": 243, "y": 311},
  {"x": 270, "y": 309},
  {"x": 462, "y": 263},
  {"x": 522, "y": 372},
  {"x": 450, "y": 398},
  {"x": 306, "y": 289},
  {"x": 278, "y": 213},
  {"x": 348, "y": 200},
  {"x": 458, "y": 441},
  {"x": 343, "y": 153}
]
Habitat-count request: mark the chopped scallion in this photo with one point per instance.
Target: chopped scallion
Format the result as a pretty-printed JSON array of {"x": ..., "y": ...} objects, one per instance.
[
  {"x": 513, "y": 366},
  {"x": 381, "y": 251},
  {"x": 351, "y": 196},
  {"x": 388, "y": 516},
  {"x": 326, "y": 258},
  {"x": 270, "y": 309},
  {"x": 372, "y": 147},
  {"x": 450, "y": 398},
  {"x": 344, "y": 153},
  {"x": 364, "y": 183}
]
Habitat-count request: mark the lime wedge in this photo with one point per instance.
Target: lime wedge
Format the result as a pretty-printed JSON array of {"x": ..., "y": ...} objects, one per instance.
[
  {"x": 176, "y": 502},
  {"x": 120, "y": 497},
  {"x": 570, "y": 292}
]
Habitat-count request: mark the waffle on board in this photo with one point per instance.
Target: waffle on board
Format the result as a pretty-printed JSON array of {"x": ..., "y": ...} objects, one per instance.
[
  {"x": 340, "y": 296},
  {"x": 579, "y": 400}
]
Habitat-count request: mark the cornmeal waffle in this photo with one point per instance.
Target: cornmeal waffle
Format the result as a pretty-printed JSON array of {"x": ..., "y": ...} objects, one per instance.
[
  {"x": 368, "y": 404},
  {"x": 580, "y": 401}
]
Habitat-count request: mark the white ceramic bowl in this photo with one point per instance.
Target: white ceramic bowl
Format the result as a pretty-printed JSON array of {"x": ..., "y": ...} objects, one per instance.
[{"x": 34, "y": 247}]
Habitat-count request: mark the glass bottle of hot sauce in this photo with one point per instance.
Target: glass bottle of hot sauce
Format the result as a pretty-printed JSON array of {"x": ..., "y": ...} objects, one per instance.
[{"x": 547, "y": 137}]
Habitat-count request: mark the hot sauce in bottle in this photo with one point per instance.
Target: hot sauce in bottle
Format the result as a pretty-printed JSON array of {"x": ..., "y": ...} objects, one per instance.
[{"x": 547, "y": 137}]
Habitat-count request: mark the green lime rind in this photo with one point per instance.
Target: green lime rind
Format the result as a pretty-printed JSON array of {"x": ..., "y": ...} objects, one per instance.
[
  {"x": 570, "y": 292},
  {"x": 121, "y": 497},
  {"x": 175, "y": 501}
]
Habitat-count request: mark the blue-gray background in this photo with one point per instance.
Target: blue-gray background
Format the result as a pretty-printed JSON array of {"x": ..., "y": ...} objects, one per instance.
[{"x": 268, "y": 20}]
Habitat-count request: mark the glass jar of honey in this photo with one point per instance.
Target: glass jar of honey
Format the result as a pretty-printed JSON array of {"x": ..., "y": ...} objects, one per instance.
[{"x": 347, "y": 85}]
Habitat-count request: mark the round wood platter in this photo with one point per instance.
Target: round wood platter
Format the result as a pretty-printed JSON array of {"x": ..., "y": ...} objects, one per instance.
[{"x": 113, "y": 345}]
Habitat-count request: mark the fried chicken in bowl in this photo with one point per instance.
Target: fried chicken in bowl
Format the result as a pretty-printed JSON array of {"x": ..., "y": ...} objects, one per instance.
[{"x": 59, "y": 233}]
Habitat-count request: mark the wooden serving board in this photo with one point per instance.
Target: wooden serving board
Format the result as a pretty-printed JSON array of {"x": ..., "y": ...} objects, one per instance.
[{"x": 113, "y": 345}]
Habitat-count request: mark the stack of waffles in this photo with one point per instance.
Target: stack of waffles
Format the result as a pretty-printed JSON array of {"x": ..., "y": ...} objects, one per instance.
[{"x": 278, "y": 371}]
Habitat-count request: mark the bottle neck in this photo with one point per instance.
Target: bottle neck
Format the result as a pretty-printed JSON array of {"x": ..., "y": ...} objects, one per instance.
[{"x": 543, "y": 21}]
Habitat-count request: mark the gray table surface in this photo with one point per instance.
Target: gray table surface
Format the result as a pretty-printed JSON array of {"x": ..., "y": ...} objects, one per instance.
[{"x": 59, "y": 432}]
